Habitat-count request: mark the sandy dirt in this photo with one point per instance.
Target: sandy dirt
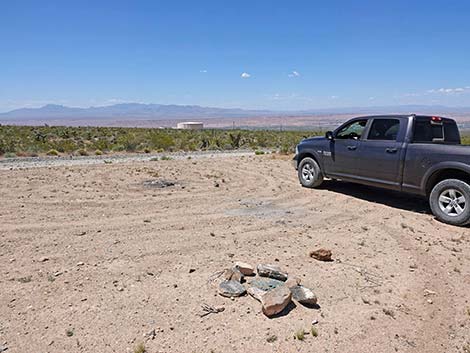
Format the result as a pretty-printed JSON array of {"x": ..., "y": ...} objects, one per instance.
[{"x": 92, "y": 259}]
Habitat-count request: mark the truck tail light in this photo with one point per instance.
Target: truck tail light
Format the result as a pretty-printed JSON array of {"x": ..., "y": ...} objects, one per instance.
[{"x": 436, "y": 120}]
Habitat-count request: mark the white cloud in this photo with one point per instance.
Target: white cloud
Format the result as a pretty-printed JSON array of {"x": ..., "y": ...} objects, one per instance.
[
  {"x": 203, "y": 71},
  {"x": 294, "y": 74},
  {"x": 371, "y": 98},
  {"x": 456, "y": 90},
  {"x": 334, "y": 97},
  {"x": 245, "y": 75}
]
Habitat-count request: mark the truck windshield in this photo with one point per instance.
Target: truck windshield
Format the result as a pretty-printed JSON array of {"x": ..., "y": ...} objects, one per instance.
[{"x": 427, "y": 131}]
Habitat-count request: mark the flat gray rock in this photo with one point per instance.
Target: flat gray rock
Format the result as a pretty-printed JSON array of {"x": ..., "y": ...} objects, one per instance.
[
  {"x": 272, "y": 271},
  {"x": 303, "y": 295},
  {"x": 231, "y": 289},
  {"x": 266, "y": 284},
  {"x": 256, "y": 293}
]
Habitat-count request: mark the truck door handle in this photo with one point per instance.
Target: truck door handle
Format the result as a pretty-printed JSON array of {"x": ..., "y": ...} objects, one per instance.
[
  {"x": 352, "y": 148},
  {"x": 391, "y": 150}
]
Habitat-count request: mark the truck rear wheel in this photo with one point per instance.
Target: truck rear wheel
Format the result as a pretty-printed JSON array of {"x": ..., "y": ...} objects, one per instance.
[
  {"x": 450, "y": 202},
  {"x": 310, "y": 175}
]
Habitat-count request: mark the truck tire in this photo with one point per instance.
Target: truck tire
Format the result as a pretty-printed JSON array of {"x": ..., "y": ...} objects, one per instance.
[
  {"x": 310, "y": 175},
  {"x": 450, "y": 202}
]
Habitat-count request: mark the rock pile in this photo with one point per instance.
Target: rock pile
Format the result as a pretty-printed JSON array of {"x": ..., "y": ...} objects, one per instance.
[{"x": 273, "y": 287}]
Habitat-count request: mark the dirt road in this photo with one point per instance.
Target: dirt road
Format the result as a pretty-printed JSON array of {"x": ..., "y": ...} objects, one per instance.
[{"x": 93, "y": 259}]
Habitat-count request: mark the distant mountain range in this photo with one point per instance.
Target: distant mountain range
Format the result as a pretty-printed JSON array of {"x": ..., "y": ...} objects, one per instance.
[{"x": 138, "y": 111}]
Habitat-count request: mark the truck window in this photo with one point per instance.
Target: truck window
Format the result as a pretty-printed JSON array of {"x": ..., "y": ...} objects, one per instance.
[
  {"x": 384, "y": 129},
  {"x": 426, "y": 131},
  {"x": 352, "y": 131},
  {"x": 451, "y": 132}
]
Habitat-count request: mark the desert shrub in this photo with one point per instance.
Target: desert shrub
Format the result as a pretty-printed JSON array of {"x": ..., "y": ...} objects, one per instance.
[
  {"x": 9, "y": 155},
  {"x": 98, "y": 152},
  {"x": 258, "y": 152},
  {"x": 24, "y": 139},
  {"x": 160, "y": 140},
  {"x": 82, "y": 152},
  {"x": 52, "y": 152}
]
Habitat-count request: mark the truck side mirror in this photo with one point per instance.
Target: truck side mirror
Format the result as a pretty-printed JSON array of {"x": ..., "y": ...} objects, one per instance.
[{"x": 329, "y": 135}]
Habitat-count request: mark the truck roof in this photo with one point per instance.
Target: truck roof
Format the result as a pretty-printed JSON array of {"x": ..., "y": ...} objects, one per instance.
[{"x": 403, "y": 116}]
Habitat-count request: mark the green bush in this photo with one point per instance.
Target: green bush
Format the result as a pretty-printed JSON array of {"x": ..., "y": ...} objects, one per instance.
[{"x": 52, "y": 152}]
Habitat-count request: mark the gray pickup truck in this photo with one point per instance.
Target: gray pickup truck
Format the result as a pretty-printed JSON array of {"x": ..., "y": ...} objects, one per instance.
[{"x": 409, "y": 153}]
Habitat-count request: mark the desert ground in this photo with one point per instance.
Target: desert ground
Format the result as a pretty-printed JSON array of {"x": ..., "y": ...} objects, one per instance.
[{"x": 94, "y": 258}]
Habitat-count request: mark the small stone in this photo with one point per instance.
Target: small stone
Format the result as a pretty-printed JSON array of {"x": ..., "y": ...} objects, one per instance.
[
  {"x": 231, "y": 289},
  {"x": 303, "y": 295},
  {"x": 292, "y": 282},
  {"x": 151, "y": 335},
  {"x": 276, "y": 300},
  {"x": 272, "y": 271},
  {"x": 321, "y": 255},
  {"x": 43, "y": 259},
  {"x": 314, "y": 322},
  {"x": 191, "y": 270},
  {"x": 256, "y": 293},
  {"x": 244, "y": 268},
  {"x": 428, "y": 292},
  {"x": 430, "y": 301},
  {"x": 81, "y": 263},
  {"x": 232, "y": 274}
]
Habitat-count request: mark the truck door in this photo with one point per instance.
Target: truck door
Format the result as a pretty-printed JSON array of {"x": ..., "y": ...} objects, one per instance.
[
  {"x": 341, "y": 160},
  {"x": 380, "y": 152}
]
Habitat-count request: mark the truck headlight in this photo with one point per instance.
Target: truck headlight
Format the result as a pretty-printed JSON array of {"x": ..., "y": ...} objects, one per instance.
[{"x": 296, "y": 150}]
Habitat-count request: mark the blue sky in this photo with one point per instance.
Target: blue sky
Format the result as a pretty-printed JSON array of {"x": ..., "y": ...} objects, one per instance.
[{"x": 249, "y": 54}]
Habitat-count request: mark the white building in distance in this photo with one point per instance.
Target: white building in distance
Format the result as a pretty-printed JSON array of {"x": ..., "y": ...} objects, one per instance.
[{"x": 190, "y": 125}]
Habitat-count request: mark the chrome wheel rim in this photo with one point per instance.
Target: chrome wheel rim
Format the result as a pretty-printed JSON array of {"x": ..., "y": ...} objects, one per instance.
[
  {"x": 452, "y": 202},
  {"x": 308, "y": 172}
]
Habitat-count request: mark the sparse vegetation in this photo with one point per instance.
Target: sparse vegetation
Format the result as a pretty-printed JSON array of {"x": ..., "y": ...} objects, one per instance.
[
  {"x": 82, "y": 152},
  {"x": 258, "y": 152},
  {"x": 314, "y": 332},
  {"x": 57, "y": 140},
  {"x": 69, "y": 332},
  {"x": 140, "y": 348},
  {"x": 25, "y": 279},
  {"x": 52, "y": 152},
  {"x": 299, "y": 335}
]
